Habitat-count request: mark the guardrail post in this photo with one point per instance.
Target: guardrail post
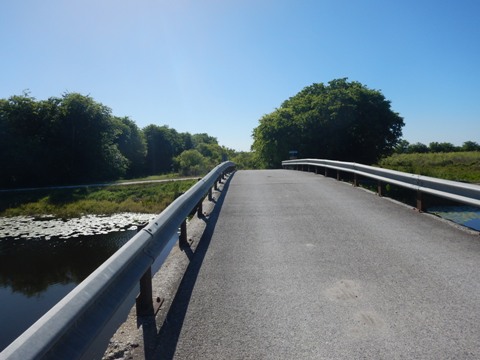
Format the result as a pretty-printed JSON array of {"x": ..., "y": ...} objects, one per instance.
[
  {"x": 210, "y": 197},
  {"x": 421, "y": 206},
  {"x": 144, "y": 301},
  {"x": 200, "y": 208},
  {"x": 215, "y": 186},
  {"x": 183, "y": 234},
  {"x": 316, "y": 170},
  {"x": 355, "y": 179},
  {"x": 338, "y": 175},
  {"x": 326, "y": 172},
  {"x": 379, "y": 188}
]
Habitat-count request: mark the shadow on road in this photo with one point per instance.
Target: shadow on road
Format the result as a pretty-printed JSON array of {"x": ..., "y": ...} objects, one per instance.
[{"x": 163, "y": 345}]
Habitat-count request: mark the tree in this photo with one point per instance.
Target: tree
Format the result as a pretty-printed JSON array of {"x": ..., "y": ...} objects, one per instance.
[
  {"x": 163, "y": 144},
  {"x": 203, "y": 138},
  {"x": 418, "y": 147},
  {"x": 186, "y": 141},
  {"x": 445, "y": 147},
  {"x": 340, "y": 121},
  {"x": 57, "y": 141},
  {"x": 214, "y": 152},
  {"x": 84, "y": 136},
  {"x": 26, "y": 159},
  {"x": 19, "y": 139},
  {"x": 132, "y": 144},
  {"x": 402, "y": 147},
  {"x": 191, "y": 162},
  {"x": 470, "y": 146},
  {"x": 245, "y": 160},
  {"x": 74, "y": 139}
]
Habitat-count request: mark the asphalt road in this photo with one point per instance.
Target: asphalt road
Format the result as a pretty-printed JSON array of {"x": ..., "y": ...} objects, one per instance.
[{"x": 299, "y": 266}]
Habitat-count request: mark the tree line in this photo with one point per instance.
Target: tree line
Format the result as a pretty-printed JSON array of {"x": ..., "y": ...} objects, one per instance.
[
  {"x": 73, "y": 139},
  {"x": 404, "y": 147}
]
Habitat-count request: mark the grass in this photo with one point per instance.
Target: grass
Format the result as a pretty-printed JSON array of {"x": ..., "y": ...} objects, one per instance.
[
  {"x": 68, "y": 203},
  {"x": 457, "y": 166},
  {"x": 170, "y": 176}
]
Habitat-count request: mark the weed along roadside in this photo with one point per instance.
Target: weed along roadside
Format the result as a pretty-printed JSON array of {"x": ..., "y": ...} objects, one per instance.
[
  {"x": 457, "y": 166},
  {"x": 65, "y": 203}
]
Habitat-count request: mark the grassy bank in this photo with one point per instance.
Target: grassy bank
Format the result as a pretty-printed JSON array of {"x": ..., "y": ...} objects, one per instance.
[
  {"x": 458, "y": 166},
  {"x": 68, "y": 203}
]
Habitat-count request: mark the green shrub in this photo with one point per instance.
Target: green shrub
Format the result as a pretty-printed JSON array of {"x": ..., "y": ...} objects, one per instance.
[
  {"x": 66, "y": 203},
  {"x": 458, "y": 166}
]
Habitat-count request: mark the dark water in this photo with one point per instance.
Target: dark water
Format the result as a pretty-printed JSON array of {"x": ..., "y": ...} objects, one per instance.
[
  {"x": 465, "y": 215},
  {"x": 36, "y": 273}
]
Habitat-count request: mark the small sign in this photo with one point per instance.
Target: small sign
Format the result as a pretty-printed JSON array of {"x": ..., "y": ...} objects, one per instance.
[{"x": 293, "y": 154}]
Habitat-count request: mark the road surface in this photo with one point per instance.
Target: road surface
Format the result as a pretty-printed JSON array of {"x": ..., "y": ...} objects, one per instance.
[{"x": 299, "y": 266}]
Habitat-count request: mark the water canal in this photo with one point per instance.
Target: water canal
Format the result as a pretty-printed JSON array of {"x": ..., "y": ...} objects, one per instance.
[
  {"x": 41, "y": 260},
  {"x": 465, "y": 215}
]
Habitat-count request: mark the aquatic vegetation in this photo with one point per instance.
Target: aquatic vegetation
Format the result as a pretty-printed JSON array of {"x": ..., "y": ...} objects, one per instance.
[{"x": 28, "y": 227}]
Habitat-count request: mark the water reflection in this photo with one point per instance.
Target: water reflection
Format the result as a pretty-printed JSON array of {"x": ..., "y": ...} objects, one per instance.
[
  {"x": 463, "y": 214},
  {"x": 36, "y": 274},
  {"x": 31, "y": 266}
]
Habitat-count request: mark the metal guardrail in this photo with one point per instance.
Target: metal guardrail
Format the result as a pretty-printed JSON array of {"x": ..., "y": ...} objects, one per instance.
[
  {"x": 452, "y": 190},
  {"x": 82, "y": 323}
]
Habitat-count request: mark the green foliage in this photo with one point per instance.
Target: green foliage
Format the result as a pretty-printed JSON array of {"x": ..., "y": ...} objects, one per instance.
[
  {"x": 441, "y": 147},
  {"x": 166, "y": 145},
  {"x": 72, "y": 139},
  {"x": 458, "y": 166},
  {"x": 24, "y": 126},
  {"x": 214, "y": 152},
  {"x": 86, "y": 135},
  {"x": 417, "y": 148},
  {"x": 60, "y": 140},
  {"x": 163, "y": 145},
  {"x": 470, "y": 146},
  {"x": 203, "y": 138},
  {"x": 342, "y": 120},
  {"x": 246, "y": 160},
  {"x": 401, "y": 147},
  {"x": 132, "y": 144},
  {"x": 207, "y": 154},
  {"x": 404, "y": 147},
  {"x": 67, "y": 203},
  {"x": 192, "y": 162}
]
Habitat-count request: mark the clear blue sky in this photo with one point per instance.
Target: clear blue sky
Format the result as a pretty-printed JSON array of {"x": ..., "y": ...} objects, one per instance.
[{"x": 218, "y": 66}]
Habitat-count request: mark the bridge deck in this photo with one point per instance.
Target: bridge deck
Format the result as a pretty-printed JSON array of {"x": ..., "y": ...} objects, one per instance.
[{"x": 300, "y": 266}]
